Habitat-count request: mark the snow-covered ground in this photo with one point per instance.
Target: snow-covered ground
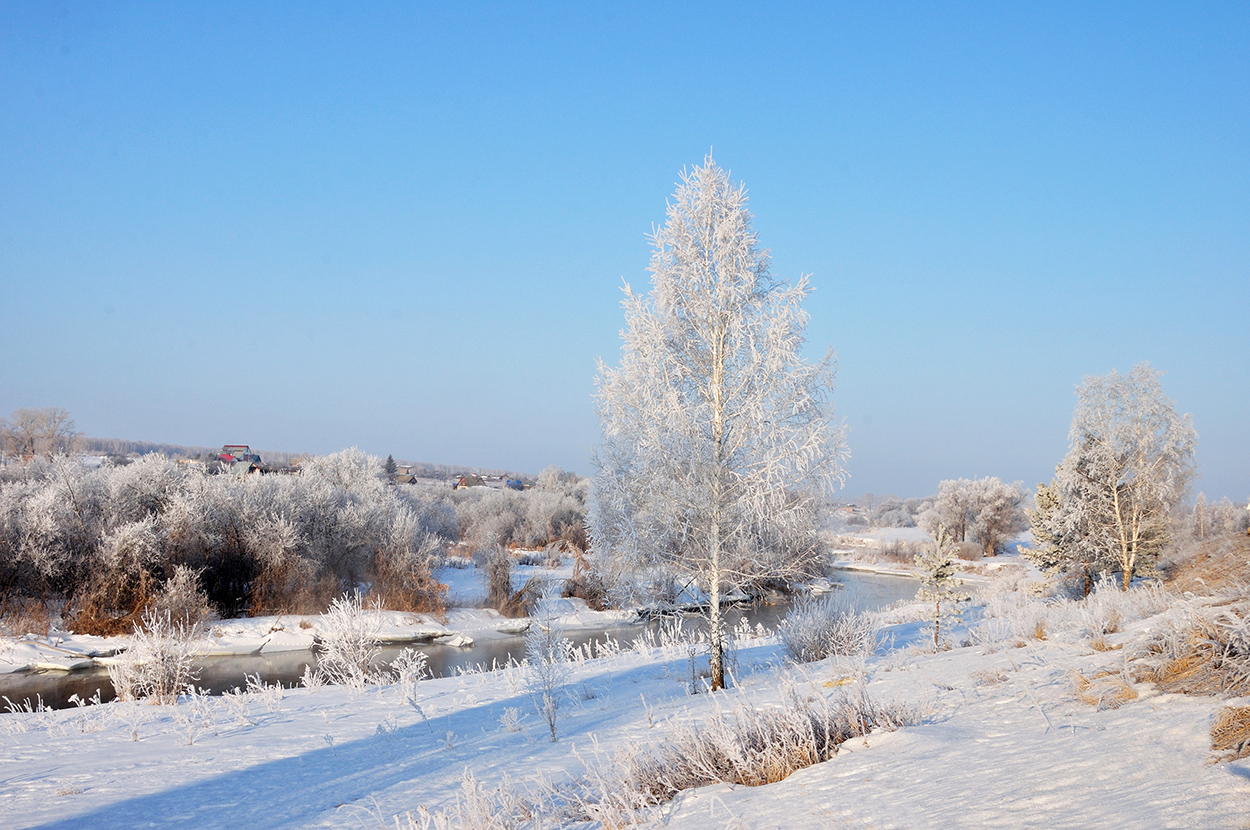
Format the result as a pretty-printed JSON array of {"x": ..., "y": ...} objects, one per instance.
[{"x": 1003, "y": 741}]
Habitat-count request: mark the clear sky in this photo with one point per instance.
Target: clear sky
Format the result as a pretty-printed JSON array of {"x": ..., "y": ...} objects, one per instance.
[{"x": 404, "y": 227}]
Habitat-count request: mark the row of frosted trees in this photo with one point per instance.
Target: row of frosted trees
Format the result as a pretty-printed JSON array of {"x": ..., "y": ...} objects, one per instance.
[{"x": 102, "y": 542}]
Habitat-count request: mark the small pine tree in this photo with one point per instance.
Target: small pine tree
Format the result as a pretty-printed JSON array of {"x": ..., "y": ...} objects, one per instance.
[
  {"x": 391, "y": 466},
  {"x": 937, "y": 579}
]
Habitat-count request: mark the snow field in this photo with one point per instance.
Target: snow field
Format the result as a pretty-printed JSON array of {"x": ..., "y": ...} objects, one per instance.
[{"x": 1005, "y": 741}]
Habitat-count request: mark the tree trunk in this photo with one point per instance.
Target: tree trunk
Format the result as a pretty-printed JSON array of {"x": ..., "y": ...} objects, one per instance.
[{"x": 716, "y": 657}]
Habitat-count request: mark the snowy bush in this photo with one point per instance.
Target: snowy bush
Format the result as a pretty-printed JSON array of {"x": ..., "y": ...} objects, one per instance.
[
  {"x": 348, "y": 640},
  {"x": 104, "y": 541},
  {"x": 410, "y": 667},
  {"x": 821, "y": 627},
  {"x": 157, "y": 665},
  {"x": 547, "y": 659},
  {"x": 181, "y": 601}
]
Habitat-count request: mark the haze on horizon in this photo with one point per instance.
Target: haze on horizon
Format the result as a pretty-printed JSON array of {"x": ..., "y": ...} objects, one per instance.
[{"x": 405, "y": 229}]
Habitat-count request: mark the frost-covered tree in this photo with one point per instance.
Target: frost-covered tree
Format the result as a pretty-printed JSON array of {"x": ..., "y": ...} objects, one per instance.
[
  {"x": 938, "y": 584},
  {"x": 1225, "y": 517},
  {"x": 1128, "y": 465},
  {"x": 46, "y": 432},
  {"x": 717, "y": 434},
  {"x": 985, "y": 510},
  {"x": 951, "y": 509},
  {"x": 997, "y": 513},
  {"x": 1200, "y": 519}
]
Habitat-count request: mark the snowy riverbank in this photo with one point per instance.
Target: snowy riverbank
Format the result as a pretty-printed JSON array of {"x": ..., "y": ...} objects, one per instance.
[
  {"x": 1006, "y": 738},
  {"x": 298, "y": 632}
]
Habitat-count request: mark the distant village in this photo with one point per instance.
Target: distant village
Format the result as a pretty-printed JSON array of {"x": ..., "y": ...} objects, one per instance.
[{"x": 241, "y": 459}]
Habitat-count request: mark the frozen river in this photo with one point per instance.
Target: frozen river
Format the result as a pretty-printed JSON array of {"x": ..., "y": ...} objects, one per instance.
[{"x": 219, "y": 674}]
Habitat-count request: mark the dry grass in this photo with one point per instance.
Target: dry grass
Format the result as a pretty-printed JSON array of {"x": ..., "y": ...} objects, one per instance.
[
  {"x": 1230, "y": 733},
  {"x": 743, "y": 744},
  {"x": 968, "y": 551},
  {"x": 1213, "y": 566},
  {"x": 23, "y": 615},
  {"x": 1105, "y": 690},
  {"x": 90, "y": 618},
  {"x": 898, "y": 551},
  {"x": 1099, "y": 643},
  {"x": 1207, "y": 652}
]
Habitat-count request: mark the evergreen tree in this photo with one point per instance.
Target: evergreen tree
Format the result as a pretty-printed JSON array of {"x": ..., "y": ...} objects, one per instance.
[{"x": 936, "y": 567}]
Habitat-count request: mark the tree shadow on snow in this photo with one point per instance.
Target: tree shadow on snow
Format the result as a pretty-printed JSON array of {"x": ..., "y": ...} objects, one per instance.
[{"x": 292, "y": 792}]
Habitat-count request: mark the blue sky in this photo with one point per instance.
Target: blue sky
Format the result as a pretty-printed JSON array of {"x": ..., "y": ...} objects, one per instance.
[{"x": 404, "y": 228}]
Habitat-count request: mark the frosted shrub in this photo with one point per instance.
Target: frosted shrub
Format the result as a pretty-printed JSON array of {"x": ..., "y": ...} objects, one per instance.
[
  {"x": 157, "y": 665},
  {"x": 269, "y": 694},
  {"x": 1012, "y": 619},
  {"x": 195, "y": 716},
  {"x": 349, "y": 642},
  {"x": 181, "y": 600},
  {"x": 547, "y": 656},
  {"x": 822, "y": 627},
  {"x": 409, "y": 668}
]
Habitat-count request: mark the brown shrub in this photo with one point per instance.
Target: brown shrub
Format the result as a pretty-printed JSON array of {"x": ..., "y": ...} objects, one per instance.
[
  {"x": 294, "y": 597},
  {"x": 90, "y": 618},
  {"x": 1231, "y": 732},
  {"x": 896, "y": 550},
  {"x": 968, "y": 551},
  {"x": 404, "y": 582},
  {"x": 586, "y": 583},
  {"x": 497, "y": 565},
  {"x": 24, "y": 615},
  {"x": 180, "y": 600}
]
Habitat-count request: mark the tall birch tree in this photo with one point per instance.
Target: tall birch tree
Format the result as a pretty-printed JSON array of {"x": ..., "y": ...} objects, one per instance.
[{"x": 717, "y": 435}]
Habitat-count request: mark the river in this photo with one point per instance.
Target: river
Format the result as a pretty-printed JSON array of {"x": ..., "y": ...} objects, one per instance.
[{"x": 219, "y": 674}]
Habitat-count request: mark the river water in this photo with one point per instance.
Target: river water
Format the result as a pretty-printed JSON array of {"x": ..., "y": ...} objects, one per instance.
[{"x": 220, "y": 674}]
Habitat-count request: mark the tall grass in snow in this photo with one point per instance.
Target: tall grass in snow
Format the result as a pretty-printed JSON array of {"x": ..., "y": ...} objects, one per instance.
[
  {"x": 822, "y": 627},
  {"x": 157, "y": 664},
  {"x": 740, "y": 744}
]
